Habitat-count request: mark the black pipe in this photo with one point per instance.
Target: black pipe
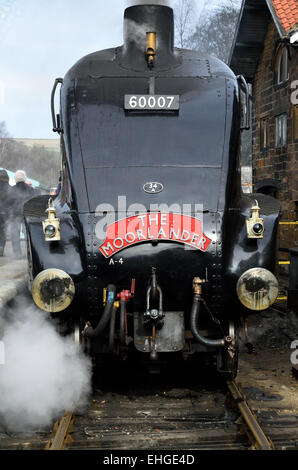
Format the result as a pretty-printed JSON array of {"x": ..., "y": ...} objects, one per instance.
[
  {"x": 122, "y": 321},
  {"x": 112, "y": 330},
  {"x": 194, "y": 317},
  {"x": 106, "y": 316}
]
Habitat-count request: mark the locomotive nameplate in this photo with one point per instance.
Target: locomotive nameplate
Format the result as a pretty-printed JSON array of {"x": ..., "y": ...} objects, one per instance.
[
  {"x": 154, "y": 227},
  {"x": 152, "y": 102}
]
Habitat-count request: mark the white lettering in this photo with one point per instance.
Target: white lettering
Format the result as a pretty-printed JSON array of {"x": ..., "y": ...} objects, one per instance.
[
  {"x": 185, "y": 232},
  {"x": 140, "y": 235},
  {"x": 174, "y": 234},
  {"x": 133, "y": 237},
  {"x": 171, "y": 99},
  {"x": 194, "y": 238},
  {"x": 107, "y": 248},
  {"x": 142, "y": 102},
  {"x": 162, "y": 102},
  {"x": 161, "y": 233},
  {"x": 201, "y": 243},
  {"x": 163, "y": 219},
  {"x": 152, "y": 102},
  {"x": 114, "y": 460},
  {"x": 142, "y": 217},
  {"x": 153, "y": 218},
  {"x": 133, "y": 102},
  {"x": 121, "y": 243}
]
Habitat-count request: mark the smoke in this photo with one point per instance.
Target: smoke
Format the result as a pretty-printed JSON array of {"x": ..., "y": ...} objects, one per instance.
[
  {"x": 137, "y": 33},
  {"x": 44, "y": 374},
  {"x": 131, "y": 3}
]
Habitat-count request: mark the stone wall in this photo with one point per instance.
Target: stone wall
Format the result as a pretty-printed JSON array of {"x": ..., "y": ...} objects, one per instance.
[{"x": 277, "y": 163}]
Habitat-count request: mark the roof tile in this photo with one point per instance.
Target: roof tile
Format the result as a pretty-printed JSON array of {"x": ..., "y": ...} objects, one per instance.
[{"x": 286, "y": 12}]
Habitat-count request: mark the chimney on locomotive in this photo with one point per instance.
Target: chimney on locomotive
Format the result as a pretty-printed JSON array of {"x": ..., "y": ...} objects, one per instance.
[{"x": 148, "y": 36}]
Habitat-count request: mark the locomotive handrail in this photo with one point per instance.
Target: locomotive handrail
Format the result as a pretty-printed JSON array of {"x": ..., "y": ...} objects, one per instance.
[
  {"x": 56, "y": 118},
  {"x": 243, "y": 84}
]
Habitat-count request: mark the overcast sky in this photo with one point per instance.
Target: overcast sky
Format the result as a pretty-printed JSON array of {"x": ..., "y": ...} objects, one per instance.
[{"x": 39, "y": 41}]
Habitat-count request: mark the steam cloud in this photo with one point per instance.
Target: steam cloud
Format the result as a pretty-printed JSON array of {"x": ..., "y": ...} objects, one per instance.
[{"x": 44, "y": 374}]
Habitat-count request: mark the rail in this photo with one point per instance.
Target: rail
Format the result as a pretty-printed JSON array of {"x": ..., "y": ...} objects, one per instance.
[
  {"x": 61, "y": 437},
  {"x": 253, "y": 430}
]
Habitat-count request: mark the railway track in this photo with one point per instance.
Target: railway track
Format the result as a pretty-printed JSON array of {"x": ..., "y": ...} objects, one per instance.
[
  {"x": 252, "y": 428},
  {"x": 177, "y": 410},
  {"x": 176, "y": 424}
]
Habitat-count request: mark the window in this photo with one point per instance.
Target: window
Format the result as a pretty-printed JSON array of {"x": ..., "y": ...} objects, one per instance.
[
  {"x": 264, "y": 132},
  {"x": 282, "y": 66},
  {"x": 281, "y": 130}
]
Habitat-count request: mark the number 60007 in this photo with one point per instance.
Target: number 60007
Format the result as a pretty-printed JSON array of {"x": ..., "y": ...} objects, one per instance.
[{"x": 151, "y": 102}]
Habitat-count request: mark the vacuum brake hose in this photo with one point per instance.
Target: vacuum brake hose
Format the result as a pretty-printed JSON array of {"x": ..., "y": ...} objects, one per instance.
[
  {"x": 106, "y": 316},
  {"x": 194, "y": 317}
]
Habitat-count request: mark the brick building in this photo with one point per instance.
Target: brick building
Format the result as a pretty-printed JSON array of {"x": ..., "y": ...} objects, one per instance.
[{"x": 265, "y": 52}]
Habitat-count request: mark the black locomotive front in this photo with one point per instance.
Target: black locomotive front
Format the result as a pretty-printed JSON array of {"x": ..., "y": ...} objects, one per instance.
[{"x": 151, "y": 244}]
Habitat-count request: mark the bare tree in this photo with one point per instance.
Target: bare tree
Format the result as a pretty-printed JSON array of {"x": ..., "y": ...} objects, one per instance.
[
  {"x": 184, "y": 16},
  {"x": 215, "y": 30}
]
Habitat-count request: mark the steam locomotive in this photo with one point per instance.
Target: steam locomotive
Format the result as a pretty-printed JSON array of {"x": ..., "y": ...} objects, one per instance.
[{"x": 151, "y": 248}]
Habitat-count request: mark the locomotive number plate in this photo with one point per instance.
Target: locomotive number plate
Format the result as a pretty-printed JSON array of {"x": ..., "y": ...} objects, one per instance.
[{"x": 152, "y": 102}]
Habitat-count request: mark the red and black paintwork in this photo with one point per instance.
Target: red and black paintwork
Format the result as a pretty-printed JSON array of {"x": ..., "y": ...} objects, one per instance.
[{"x": 194, "y": 154}]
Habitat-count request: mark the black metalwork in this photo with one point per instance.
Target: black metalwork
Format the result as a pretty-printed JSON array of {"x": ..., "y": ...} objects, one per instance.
[
  {"x": 56, "y": 119},
  {"x": 110, "y": 152}
]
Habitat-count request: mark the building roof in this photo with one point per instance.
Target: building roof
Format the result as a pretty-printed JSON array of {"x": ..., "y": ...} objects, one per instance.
[
  {"x": 252, "y": 28},
  {"x": 286, "y": 13}
]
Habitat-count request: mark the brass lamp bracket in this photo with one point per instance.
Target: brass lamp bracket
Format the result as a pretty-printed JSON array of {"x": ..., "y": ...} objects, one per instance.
[
  {"x": 255, "y": 224},
  {"x": 51, "y": 225}
]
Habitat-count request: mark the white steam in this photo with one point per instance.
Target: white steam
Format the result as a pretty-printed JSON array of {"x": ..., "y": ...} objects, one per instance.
[
  {"x": 137, "y": 33},
  {"x": 44, "y": 374}
]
